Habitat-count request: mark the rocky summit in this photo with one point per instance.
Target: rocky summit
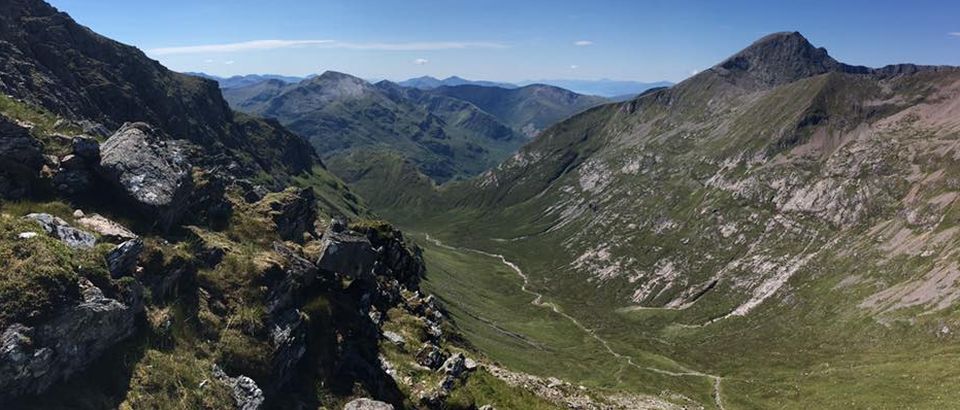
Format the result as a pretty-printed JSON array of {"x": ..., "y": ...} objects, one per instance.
[{"x": 779, "y": 230}]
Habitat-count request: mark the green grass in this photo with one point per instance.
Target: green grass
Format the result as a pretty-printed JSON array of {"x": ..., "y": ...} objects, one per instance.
[{"x": 487, "y": 304}]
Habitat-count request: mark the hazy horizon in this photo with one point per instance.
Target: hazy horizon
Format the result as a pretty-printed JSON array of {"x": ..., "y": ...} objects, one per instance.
[{"x": 509, "y": 41}]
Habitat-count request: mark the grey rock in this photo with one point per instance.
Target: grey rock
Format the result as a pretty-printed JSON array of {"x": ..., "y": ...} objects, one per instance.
[
  {"x": 455, "y": 365},
  {"x": 94, "y": 128},
  {"x": 295, "y": 216},
  {"x": 288, "y": 337},
  {"x": 394, "y": 338},
  {"x": 60, "y": 229},
  {"x": 152, "y": 172},
  {"x": 74, "y": 176},
  {"x": 122, "y": 260},
  {"x": 367, "y": 404},
  {"x": 246, "y": 393},
  {"x": 32, "y": 359},
  {"x": 299, "y": 275},
  {"x": 348, "y": 255},
  {"x": 86, "y": 147},
  {"x": 430, "y": 356},
  {"x": 21, "y": 158}
]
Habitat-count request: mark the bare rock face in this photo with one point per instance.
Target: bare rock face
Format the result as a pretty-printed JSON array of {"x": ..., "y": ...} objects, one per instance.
[
  {"x": 21, "y": 158},
  {"x": 123, "y": 259},
  {"x": 34, "y": 358},
  {"x": 367, "y": 404},
  {"x": 347, "y": 254},
  {"x": 780, "y": 58},
  {"x": 153, "y": 173},
  {"x": 295, "y": 214}
]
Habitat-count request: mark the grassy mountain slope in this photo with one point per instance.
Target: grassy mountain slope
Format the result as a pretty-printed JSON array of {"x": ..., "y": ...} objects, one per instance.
[
  {"x": 782, "y": 221},
  {"x": 229, "y": 312},
  {"x": 530, "y": 109}
]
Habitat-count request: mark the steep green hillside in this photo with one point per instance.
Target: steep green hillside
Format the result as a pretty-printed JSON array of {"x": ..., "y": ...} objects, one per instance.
[
  {"x": 159, "y": 251},
  {"x": 781, "y": 221},
  {"x": 530, "y": 109}
]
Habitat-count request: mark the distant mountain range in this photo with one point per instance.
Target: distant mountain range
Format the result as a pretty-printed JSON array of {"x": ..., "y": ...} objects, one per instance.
[
  {"x": 446, "y": 138},
  {"x": 615, "y": 90},
  {"x": 428, "y": 83},
  {"x": 249, "y": 79},
  {"x": 445, "y": 133},
  {"x": 530, "y": 109}
]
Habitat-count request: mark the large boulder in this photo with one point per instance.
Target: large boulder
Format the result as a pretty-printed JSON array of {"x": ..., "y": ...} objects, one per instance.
[
  {"x": 347, "y": 254},
  {"x": 34, "y": 358},
  {"x": 21, "y": 158},
  {"x": 154, "y": 174}
]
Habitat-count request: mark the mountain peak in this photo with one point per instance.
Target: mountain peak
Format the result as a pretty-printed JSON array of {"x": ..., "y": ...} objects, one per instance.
[{"x": 779, "y": 58}]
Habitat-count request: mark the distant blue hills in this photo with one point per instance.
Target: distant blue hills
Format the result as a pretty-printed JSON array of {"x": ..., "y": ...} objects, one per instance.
[{"x": 611, "y": 89}]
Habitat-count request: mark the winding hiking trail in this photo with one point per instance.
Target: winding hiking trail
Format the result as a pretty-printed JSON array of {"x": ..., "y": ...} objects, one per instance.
[{"x": 538, "y": 301}]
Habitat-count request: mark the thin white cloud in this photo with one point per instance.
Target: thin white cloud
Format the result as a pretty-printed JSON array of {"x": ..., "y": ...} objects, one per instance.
[
  {"x": 278, "y": 44},
  {"x": 954, "y": 34},
  {"x": 574, "y": 67},
  {"x": 230, "y": 62},
  {"x": 694, "y": 72},
  {"x": 583, "y": 43},
  {"x": 421, "y": 61}
]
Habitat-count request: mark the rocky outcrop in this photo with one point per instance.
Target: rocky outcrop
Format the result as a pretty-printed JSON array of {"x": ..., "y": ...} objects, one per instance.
[
  {"x": 60, "y": 229},
  {"x": 21, "y": 158},
  {"x": 367, "y": 404},
  {"x": 347, "y": 254},
  {"x": 294, "y": 213},
  {"x": 152, "y": 173},
  {"x": 299, "y": 275},
  {"x": 122, "y": 260},
  {"x": 34, "y": 358},
  {"x": 246, "y": 393},
  {"x": 76, "y": 172}
]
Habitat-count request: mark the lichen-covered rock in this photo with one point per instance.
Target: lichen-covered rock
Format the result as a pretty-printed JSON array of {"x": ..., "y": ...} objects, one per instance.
[
  {"x": 34, "y": 358},
  {"x": 60, "y": 229},
  {"x": 367, "y": 404},
  {"x": 122, "y": 260},
  {"x": 21, "y": 158},
  {"x": 246, "y": 393},
  {"x": 153, "y": 173}
]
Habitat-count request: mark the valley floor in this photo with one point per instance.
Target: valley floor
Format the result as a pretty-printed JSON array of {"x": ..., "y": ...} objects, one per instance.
[{"x": 512, "y": 315}]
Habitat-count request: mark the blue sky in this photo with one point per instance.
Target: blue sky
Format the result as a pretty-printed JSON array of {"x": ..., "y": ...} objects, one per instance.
[{"x": 511, "y": 40}]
